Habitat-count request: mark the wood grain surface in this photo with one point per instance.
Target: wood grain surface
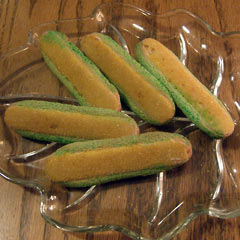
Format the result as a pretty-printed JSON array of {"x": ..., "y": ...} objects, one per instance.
[{"x": 20, "y": 217}]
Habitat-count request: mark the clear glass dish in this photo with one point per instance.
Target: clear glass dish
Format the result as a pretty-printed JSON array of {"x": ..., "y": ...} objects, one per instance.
[{"x": 154, "y": 207}]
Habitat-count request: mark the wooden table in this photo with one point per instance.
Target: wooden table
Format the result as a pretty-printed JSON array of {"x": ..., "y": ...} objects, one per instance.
[{"x": 19, "y": 207}]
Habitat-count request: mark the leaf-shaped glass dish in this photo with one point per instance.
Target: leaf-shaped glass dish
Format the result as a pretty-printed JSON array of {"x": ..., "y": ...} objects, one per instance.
[{"x": 153, "y": 207}]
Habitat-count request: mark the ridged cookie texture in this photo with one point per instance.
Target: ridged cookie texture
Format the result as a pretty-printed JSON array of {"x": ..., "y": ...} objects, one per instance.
[
  {"x": 82, "y": 78},
  {"x": 190, "y": 95},
  {"x": 140, "y": 90},
  {"x": 93, "y": 162},
  {"x": 50, "y": 121}
]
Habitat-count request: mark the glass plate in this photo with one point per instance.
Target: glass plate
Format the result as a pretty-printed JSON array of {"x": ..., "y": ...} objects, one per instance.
[{"x": 154, "y": 207}]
